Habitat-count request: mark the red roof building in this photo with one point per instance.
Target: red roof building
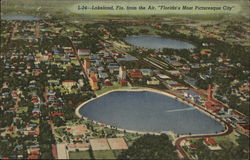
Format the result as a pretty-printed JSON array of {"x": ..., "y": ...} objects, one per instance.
[
  {"x": 123, "y": 83},
  {"x": 32, "y": 156},
  {"x": 209, "y": 141},
  {"x": 213, "y": 107},
  {"x": 135, "y": 73},
  {"x": 107, "y": 83}
]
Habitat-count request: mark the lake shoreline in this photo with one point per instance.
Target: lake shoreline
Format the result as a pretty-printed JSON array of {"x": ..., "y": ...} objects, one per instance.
[
  {"x": 170, "y": 43},
  {"x": 139, "y": 89}
]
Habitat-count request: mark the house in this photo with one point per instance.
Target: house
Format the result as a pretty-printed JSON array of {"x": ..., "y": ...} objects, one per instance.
[
  {"x": 102, "y": 75},
  {"x": 212, "y": 106},
  {"x": 146, "y": 72},
  {"x": 107, "y": 82},
  {"x": 206, "y": 52},
  {"x": 135, "y": 73},
  {"x": 163, "y": 76},
  {"x": 192, "y": 95},
  {"x": 14, "y": 94},
  {"x": 175, "y": 72},
  {"x": 123, "y": 82},
  {"x": 153, "y": 81},
  {"x": 174, "y": 85},
  {"x": 32, "y": 156},
  {"x": 83, "y": 52},
  {"x": 211, "y": 143},
  {"x": 94, "y": 57},
  {"x": 36, "y": 112},
  {"x": 113, "y": 67},
  {"x": 68, "y": 84}
]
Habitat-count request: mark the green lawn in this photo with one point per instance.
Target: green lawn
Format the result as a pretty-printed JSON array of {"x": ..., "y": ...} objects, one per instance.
[
  {"x": 110, "y": 88},
  {"x": 229, "y": 138},
  {"x": 79, "y": 155},
  {"x": 35, "y": 121},
  {"x": 104, "y": 155},
  {"x": 22, "y": 109}
]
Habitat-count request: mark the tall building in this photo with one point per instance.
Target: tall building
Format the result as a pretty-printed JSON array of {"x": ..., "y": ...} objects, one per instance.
[
  {"x": 122, "y": 73},
  {"x": 93, "y": 81},
  {"x": 209, "y": 93},
  {"x": 86, "y": 65}
]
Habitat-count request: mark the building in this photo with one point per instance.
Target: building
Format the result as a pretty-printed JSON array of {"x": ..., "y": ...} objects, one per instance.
[
  {"x": 122, "y": 73},
  {"x": 123, "y": 83},
  {"x": 135, "y": 73},
  {"x": 146, "y": 72},
  {"x": 192, "y": 95},
  {"x": 211, "y": 143},
  {"x": 93, "y": 81},
  {"x": 163, "y": 76},
  {"x": 107, "y": 82},
  {"x": 86, "y": 65},
  {"x": 83, "y": 52},
  {"x": 113, "y": 67},
  {"x": 153, "y": 81},
  {"x": 68, "y": 84}
]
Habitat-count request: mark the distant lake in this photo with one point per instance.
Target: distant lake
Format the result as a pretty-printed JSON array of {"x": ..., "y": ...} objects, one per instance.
[
  {"x": 150, "y": 112},
  {"x": 154, "y": 42},
  {"x": 20, "y": 18}
]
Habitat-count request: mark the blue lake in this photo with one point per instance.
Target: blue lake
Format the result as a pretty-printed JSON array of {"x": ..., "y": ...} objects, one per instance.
[
  {"x": 20, "y": 18},
  {"x": 148, "y": 111},
  {"x": 154, "y": 42}
]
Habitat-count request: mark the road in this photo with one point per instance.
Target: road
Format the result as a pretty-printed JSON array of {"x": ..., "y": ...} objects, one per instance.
[
  {"x": 228, "y": 131},
  {"x": 78, "y": 58}
]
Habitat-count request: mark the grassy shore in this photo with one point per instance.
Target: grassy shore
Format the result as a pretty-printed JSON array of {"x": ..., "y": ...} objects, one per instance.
[{"x": 110, "y": 88}]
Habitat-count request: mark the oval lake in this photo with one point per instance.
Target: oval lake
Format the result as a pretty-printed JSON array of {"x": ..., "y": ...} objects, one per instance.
[
  {"x": 149, "y": 112},
  {"x": 154, "y": 42}
]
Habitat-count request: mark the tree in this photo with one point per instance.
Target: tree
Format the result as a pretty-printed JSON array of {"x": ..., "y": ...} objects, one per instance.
[{"x": 150, "y": 147}]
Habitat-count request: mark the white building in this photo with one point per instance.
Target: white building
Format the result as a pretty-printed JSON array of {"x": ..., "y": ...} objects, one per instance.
[
  {"x": 122, "y": 73},
  {"x": 153, "y": 81}
]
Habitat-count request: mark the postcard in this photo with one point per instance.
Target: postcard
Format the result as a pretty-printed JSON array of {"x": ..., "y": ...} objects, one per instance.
[{"x": 124, "y": 79}]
